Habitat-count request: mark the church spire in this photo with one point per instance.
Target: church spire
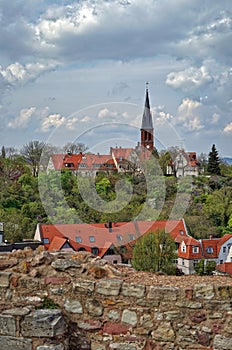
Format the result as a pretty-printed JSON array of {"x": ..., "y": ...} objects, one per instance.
[{"x": 147, "y": 131}]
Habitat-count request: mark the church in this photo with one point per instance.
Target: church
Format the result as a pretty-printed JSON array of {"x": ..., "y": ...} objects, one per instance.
[
  {"x": 121, "y": 159},
  {"x": 118, "y": 160}
]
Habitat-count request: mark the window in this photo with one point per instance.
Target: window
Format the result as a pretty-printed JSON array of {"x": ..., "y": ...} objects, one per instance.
[
  {"x": 69, "y": 165},
  {"x": 195, "y": 262},
  {"x": 221, "y": 261},
  {"x": 46, "y": 240},
  {"x": 209, "y": 250},
  {"x": 119, "y": 237},
  {"x": 82, "y": 165},
  {"x": 224, "y": 249},
  {"x": 78, "y": 239},
  {"x": 91, "y": 238},
  {"x": 131, "y": 237},
  {"x": 182, "y": 232},
  {"x": 183, "y": 248},
  {"x": 183, "y": 262},
  {"x": 94, "y": 250},
  {"x": 195, "y": 250}
]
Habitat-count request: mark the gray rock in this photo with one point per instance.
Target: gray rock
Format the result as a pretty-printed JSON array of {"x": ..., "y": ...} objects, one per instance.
[
  {"x": 15, "y": 343},
  {"x": 109, "y": 287},
  {"x": 129, "y": 317},
  {"x": 7, "y": 325},
  {"x": 222, "y": 343},
  {"x": 64, "y": 264},
  {"x": 47, "y": 323}
]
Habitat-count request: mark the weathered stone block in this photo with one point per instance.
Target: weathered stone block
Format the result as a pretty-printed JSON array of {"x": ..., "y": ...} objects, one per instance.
[
  {"x": 73, "y": 306},
  {"x": 57, "y": 280},
  {"x": 5, "y": 279},
  {"x": 133, "y": 290},
  {"x": 113, "y": 315},
  {"x": 204, "y": 291},
  {"x": 15, "y": 343},
  {"x": 51, "y": 347},
  {"x": 163, "y": 293},
  {"x": 115, "y": 328},
  {"x": 7, "y": 325},
  {"x": 89, "y": 325},
  {"x": 47, "y": 323},
  {"x": 164, "y": 332},
  {"x": 109, "y": 287},
  {"x": 97, "y": 346},
  {"x": 222, "y": 343},
  {"x": 129, "y": 317},
  {"x": 224, "y": 292},
  {"x": 94, "y": 307},
  {"x": 64, "y": 264},
  {"x": 18, "y": 311},
  {"x": 83, "y": 286},
  {"x": 29, "y": 283},
  {"x": 122, "y": 346},
  {"x": 218, "y": 305}
]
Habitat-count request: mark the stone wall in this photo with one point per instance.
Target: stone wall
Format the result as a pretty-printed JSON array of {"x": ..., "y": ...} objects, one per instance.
[{"x": 65, "y": 301}]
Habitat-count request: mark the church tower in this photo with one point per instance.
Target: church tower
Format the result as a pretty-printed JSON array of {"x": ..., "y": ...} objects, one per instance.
[{"x": 147, "y": 130}]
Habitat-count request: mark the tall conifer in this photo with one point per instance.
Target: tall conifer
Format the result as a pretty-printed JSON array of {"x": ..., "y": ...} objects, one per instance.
[{"x": 213, "y": 162}]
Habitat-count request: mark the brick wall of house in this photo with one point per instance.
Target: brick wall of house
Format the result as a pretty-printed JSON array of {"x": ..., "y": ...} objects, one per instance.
[{"x": 88, "y": 305}]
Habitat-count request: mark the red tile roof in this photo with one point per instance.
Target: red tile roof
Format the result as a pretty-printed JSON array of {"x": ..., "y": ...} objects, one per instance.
[
  {"x": 101, "y": 236},
  {"x": 225, "y": 268},
  {"x": 210, "y": 248},
  {"x": 83, "y": 162}
]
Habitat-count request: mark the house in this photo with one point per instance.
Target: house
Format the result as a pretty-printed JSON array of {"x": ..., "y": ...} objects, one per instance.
[
  {"x": 185, "y": 164},
  {"x": 107, "y": 240},
  {"x": 82, "y": 164},
  {"x": 191, "y": 251},
  {"x": 119, "y": 159}
]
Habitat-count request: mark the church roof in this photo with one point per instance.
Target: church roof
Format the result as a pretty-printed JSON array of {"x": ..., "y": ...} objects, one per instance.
[{"x": 147, "y": 123}]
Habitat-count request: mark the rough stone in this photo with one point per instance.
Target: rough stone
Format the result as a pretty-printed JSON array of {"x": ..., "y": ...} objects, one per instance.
[
  {"x": 15, "y": 343},
  {"x": 204, "y": 291},
  {"x": 163, "y": 293},
  {"x": 122, "y": 346},
  {"x": 7, "y": 325},
  {"x": 48, "y": 323},
  {"x": 115, "y": 328},
  {"x": 89, "y": 325},
  {"x": 73, "y": 306},
  {"x": 113, "y": 315},
  {"x": 224, "y": 292},
  {"x": 222, "y": 343},
  {"x": 94, "y": 307},
  {"x": 51, "y": 347},
  {"x": 5, "y": 279},
  {"x": 57, "y": 280},
  {"x": 129, "y": 317},
  {"x": 164, "y": 332},
  {"x": 109, "y": 287},
  {"x": 18, "y": 311},
  {"x": 97, "y": 346},
  {"x": 133, "y": 290},
  {"x": 64, "y": 264},
  {"x": 83, "y": 286}
]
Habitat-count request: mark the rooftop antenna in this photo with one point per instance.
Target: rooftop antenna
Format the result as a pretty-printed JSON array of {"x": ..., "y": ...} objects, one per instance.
[{"x": 147, "y": 84}]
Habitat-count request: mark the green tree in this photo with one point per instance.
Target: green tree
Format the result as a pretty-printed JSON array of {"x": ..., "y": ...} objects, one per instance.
[
  {"x": 213, "y": 166},
  {"x": 155, "y": 252},
  {"x": 32, "y": 152},
  {"x": 203, "y": 269}
]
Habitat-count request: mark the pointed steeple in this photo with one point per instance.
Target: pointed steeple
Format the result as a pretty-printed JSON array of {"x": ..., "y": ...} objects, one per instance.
[
  {"x": 147, "y": 123},
  {"x": 147, "y": 130}
]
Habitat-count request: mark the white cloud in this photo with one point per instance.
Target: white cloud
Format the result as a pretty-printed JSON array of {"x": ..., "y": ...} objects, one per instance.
[
  {"x": 23, "y": 119},
  {"x": 188, "y": 115},
  {"x": 52, "y": 120},
  {"x": 189, "y": 79},
  {"x": 228, "y": 128}
]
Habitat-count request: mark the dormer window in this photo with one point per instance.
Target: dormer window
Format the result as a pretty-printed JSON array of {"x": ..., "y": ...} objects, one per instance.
[
  {"x": 183, "y": 248},
  {"x": 91, "y": 239},
  {"x": 209, "y": 250},
  {"x": 46, "y": 240},
  {"x": 69, "y": 165},
  {"x": 195, "y": 250}
]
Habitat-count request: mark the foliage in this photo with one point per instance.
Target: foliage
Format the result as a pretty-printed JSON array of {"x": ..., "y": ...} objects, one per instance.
[
  {"x": 203, "y": 268},
  {"x": 155, "y": 252},
  {"x": 213, "y": 166},
  {"x": 32, "y": 153},
  {"x": 47, "y": 304}
]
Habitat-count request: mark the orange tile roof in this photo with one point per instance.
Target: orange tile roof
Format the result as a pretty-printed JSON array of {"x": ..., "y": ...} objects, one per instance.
[
  {"x": 190, "y": 244},
  {"x": 225, "y": 268},
  {"x": 56, "y": 243},
  {"x": 207, "y": 245},
  {"x": 120, "y": 152},
  {"x": 100, "y": 236},
  {"x": 59, "y": 161}
]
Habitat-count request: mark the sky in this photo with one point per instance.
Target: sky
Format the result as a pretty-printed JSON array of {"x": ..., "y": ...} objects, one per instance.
[{"x": 76, "y": 71}]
